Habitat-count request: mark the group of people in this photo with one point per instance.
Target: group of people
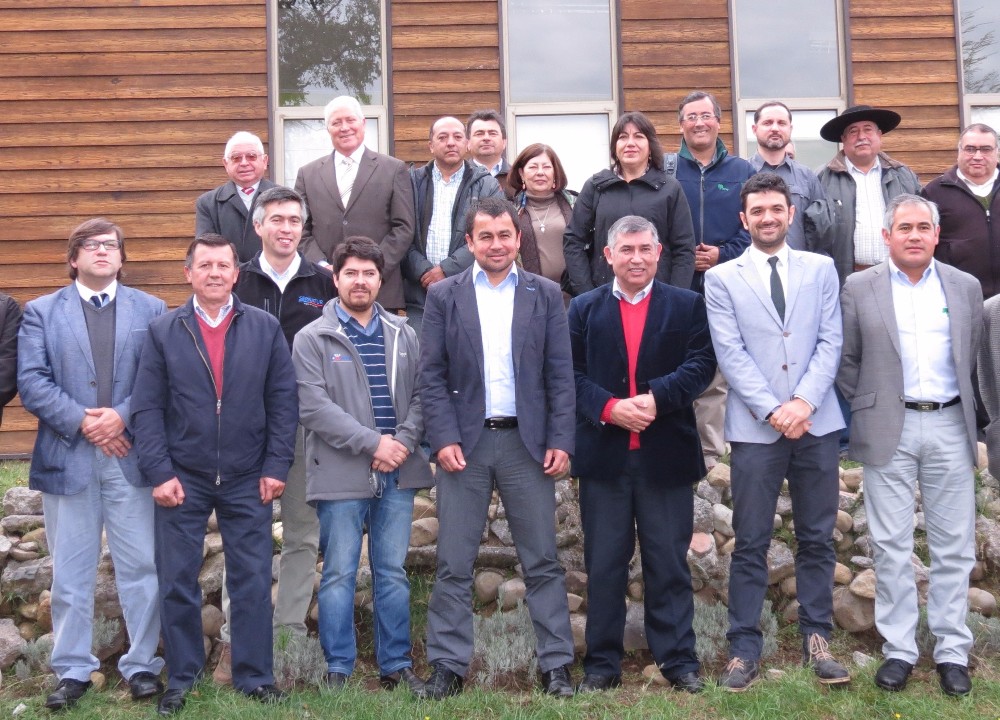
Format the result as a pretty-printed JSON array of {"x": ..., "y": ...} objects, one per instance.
[{"x": 342, "y": 334}]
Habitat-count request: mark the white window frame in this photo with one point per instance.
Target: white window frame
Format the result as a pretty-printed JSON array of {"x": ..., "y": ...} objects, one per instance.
[
  {"x": 970, "y": 101},
  {"x": 608, "y": 107},
  {"x": 742, "y": 105},
  {"x": 279, "y": 114}
]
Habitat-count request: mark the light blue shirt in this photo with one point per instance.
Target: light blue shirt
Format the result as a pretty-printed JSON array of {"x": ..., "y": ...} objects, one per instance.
[
  {"x": 924, "y": 336},
  {"x": 496, "y": 318},
  {"x": 617, "y": 291},
  {"x": 226, "y": 309},
  {"x": 440, "y": 230}
]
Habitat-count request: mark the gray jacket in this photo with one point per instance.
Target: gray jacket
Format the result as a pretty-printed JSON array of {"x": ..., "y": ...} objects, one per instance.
[
  {"x": 335, "y": 407},
  {"x": 841, "y": 189}
]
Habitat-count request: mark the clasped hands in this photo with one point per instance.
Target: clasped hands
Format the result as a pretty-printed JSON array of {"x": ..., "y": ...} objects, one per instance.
[
  {"x": 104, "y": 428},
  {"x": 792, "y": 418},
  {"x": 634, "y": 413}
]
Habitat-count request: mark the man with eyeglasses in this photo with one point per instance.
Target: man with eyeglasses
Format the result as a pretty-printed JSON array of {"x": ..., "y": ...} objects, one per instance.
[
  {"x": 712, "y": 180},
  {"x": 356, "y": 367},
  {"x": 968, "y": 199},
  {"x": 78, "y": 352},
  {"x": 228, "y": 209}
]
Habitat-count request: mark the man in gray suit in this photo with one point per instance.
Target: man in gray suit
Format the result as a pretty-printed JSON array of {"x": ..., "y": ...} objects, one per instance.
[
  {"x": 498, "y": 395},
  {"x": 775, "y": 321},
  {"x": 355, "y": 191},
  {"x": 78, "y": 352},
  {"x": 228, "y": 209},
  {"x": 912, "y": 327}
]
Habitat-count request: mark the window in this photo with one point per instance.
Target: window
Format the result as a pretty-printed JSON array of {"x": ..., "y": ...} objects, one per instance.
[
  {"x": 979, "y": 34},
  {"x": 789, "y": 50},
  {"x": 561, "y": 83},
  {"x": 322, "y": 49}
]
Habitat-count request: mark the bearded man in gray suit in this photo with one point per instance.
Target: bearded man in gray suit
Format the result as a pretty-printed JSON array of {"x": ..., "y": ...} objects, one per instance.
[{"x": 911, "y": 330}]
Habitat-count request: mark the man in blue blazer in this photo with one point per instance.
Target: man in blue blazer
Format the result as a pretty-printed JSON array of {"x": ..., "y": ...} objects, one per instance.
[
  {"x": 775, "y": 319},
  {"x": 78, "y": 351},
  {"x": 496, "y": 386},
  {"x": 641, "y": 355}
]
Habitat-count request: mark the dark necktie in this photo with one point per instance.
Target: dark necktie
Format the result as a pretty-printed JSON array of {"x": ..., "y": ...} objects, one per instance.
[
  {"x": 98, "y": 300},
  {"x": 777, "y": 292}
]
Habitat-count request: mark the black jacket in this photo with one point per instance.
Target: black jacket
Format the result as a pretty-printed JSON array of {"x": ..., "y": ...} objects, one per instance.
[
  {"x": 301, "y": 303},
  {"x": 222, "y": 211}
]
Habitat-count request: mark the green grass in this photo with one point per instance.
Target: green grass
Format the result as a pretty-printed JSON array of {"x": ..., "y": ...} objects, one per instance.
[{"x": 12, "y": 472}]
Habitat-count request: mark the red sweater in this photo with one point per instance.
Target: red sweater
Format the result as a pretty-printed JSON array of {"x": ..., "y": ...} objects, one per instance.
[
  {"x": 633, "y": 323},
  {"x": 215, "y": 343}
]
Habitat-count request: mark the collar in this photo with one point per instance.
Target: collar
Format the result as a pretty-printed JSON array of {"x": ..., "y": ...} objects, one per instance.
[
  {"x": 495, "y": 170},
  {"x": 852, "y": 168},
  {"x": 758, "y": 161},
  {"x": 478, "y": 272},
  {"x": 720, "y": 153},
  {"x": 760, "y": 258},
  {"x": 240, "y": 188},
  {"x": 982, "y": 189},
  {"x": 929, "y": 272},
  {"x": 86, "y": 293},
  {"x": 223, "y": 311},
  {"x": 355, "y": 156},
  {"x": 290, "y": 271},
  {"x": 346, "y": 318},
  {"x": 455, "y": 178},
  {"x": 641, "y": 295}
]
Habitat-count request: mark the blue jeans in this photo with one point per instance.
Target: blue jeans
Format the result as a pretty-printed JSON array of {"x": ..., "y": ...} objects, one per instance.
[{"x": 341, "y": 525}]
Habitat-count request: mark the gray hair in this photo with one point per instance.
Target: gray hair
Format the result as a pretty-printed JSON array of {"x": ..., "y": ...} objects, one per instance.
[
  {"x": 277, "y": 194},
  {"x": 978, "y": 127},
  {"x": 906, "y": 199},
  {"x": 240, "y": 138},
  {"x": 343, "y": 101},
  {"x": 630, "y": 225}
]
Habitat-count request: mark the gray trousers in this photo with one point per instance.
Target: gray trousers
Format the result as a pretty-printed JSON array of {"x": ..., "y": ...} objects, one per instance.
[
  {"x": 934, "y": 453},
  {"x": 501, "y": 460}
]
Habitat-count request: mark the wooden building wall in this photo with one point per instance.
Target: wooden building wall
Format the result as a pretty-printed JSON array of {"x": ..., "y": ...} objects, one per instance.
[
  {"x": 904, "y": 57},
  {"x": 118, "y": 108},
  {"x": 445, "y": 61}
]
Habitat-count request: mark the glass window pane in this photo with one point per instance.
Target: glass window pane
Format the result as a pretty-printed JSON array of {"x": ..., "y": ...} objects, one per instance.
[
  {"x": 580, "y": 141},
  {"x": 980, "y": 28},
  {"x": 787, "y": 48},
  {"x": 810, "y": 149},
  {"x": 328, "y": 48},
  {"x": 987, "y": 114},
  {"x": 306, "y": 140},
  {"x": 559, "y": 50}
]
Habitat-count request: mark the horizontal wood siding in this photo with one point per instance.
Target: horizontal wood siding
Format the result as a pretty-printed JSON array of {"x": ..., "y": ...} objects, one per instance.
[
  {"x": 445, "y": 61},
  {"x": 118, "y": 108},
  {"x": 669, "y": 49},
  {"x": 903, "y": 57}
]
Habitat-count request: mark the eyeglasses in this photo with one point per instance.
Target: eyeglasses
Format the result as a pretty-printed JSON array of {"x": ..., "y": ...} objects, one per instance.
[
  {"x": 695, "y": 117},
  {"x": 985, "y": 150},
  {"x": 240, "y": 157},
  {"x": 92, "y": 245}
]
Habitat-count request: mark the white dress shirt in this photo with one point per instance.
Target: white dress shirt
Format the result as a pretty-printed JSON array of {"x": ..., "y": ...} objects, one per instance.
[
  {"x": 759, "y": 259},
  {"x": 281, "y": 279},
  {"x": 247, "y": 197},
  {"x": 983, "y": 190},
  {"x": 439, "y": 232},
  {"x": 496, "y": 317},
  {"x": 869, "y": 207},
  {"x": 347, "y": 172},
  {"x": 86, "y": 293}
]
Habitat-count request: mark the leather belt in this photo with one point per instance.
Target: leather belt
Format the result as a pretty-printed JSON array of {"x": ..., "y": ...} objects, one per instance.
[
  {"x": 931, "y": 406},
  {"x": 500, "y": 423}
]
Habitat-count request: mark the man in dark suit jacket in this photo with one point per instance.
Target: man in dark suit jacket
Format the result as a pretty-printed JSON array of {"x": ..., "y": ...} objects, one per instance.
[
  {"x": 228, "y": 209},
  {"x": 496, "y": 387},
  {"x": 78, "y": 357},
  {"x": 10, "y": 321},
  {"x": 355, "y": 191},
  {"x": 641, "y": 355}
]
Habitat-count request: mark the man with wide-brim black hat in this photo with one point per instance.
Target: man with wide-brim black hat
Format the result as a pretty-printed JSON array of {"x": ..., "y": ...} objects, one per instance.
[{"x": 860, "y": 180}]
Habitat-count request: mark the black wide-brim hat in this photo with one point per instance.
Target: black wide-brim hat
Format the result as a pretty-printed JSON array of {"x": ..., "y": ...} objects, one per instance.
[{"x": 887, "y": 120}]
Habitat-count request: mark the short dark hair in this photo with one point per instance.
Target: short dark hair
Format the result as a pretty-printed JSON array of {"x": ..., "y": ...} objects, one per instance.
[
  {"x": 771, "y": 103},
  {"x": 487, "y": 114},
  {"x": 86, "y": 230},
  {"x": 695, "y": 97},
  {"x": 765, "y": 182},
  {"x": 644, "y": 125},
  {"x": 492, "y": 206},
  {"x": 514, "y": 179},
  {"x": 277, "y": 194},
  {"x": 209, "y": 240},
  {"x": 361, "y": 247}
]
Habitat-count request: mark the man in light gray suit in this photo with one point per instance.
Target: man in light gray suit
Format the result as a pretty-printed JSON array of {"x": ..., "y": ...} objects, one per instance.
[
  {"x": 912, "y": 327},
  {"x": 775, "y": 321},
  {"x": 78, "y": 352},
  {"x": 355, "y": 191}
]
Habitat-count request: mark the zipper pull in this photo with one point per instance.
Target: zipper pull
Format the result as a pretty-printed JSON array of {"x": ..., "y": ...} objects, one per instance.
[
  {"x": 218, "y": 406},
  {"x": 218, "y": 480}
]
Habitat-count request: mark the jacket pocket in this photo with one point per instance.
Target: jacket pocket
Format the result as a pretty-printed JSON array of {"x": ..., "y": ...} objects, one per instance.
[{"x": 860, "y": 402}]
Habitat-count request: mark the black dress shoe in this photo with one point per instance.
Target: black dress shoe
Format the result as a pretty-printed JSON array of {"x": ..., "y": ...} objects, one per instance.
[
  {"x": 336, "y": 680},
  {"x": 688, "y": 682},
  {"x": 442, "y": 683},
  {"x": 893, "y": 674},
  {"x": 67, "y": 692},
  {"x": 406, "y": 675},
  {"x": 954, "y": 679},
  {"x": 596, "y": 683},
  {"x": 267, "y": 694},
  {"x": 558, "y": 682},
  {"x": 170, "y": 702},
  {"x": 144, "y": 685}
]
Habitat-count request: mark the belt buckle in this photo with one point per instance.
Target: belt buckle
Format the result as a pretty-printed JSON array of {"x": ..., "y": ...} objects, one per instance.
[{"x": 925, "y": 406}]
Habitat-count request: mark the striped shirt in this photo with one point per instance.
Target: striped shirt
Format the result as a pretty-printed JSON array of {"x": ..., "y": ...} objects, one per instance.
[
  {"x": 439, "y": 231},
  {"x": 869, "y": 207}
]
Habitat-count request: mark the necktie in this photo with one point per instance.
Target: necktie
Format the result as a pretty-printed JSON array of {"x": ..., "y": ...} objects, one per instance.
[
  {"x": 777, "y": 292},
  {"x": 346, "y": 180},
  {"x": 247, "y": 196},
  {"x": 98, "y": 300},
  {"x": 248, "y": 191}
]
